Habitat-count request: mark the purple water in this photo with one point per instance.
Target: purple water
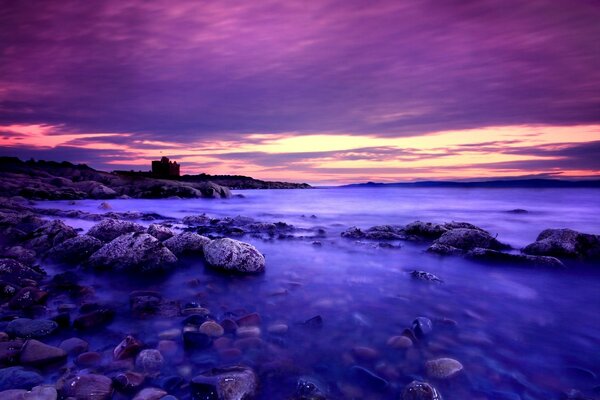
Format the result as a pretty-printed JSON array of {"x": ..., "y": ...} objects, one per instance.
[{"x": 519, "y": 333}]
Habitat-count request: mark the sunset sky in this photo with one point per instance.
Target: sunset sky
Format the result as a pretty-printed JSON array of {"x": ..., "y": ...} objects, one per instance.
[{"x": 312, "y": 91}]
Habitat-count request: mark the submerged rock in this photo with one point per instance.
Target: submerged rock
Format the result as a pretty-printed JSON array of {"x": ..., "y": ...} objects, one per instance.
[
  {"x": 231, "y": 383},
  {"x": 74, "y": 250},
  {"x": 187, "y": 243},
  {"x": 515, "y": 259},
  {"x": 149, "y": 360},
  {"x": 133, "y": 252},
  {"x": 420, "y": 391},
  {"x": 425, "y": 276},
  {"x": 110, "y": 229},
  {"x": 443, "y": 368},
  {"x": 565, "y": 243},
  {"x": 232, "y": 255}
]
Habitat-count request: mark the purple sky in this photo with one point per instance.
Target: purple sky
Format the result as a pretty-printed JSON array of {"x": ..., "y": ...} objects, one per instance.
[{"x": 188, "y": 73}]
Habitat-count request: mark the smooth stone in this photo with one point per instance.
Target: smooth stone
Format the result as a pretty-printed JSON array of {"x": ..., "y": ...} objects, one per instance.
[
  {"x": 45, "y": 392},
  {"x": 365, "y": 353},
  {"x": 443, "y": 368},
  {"x": 249, "y": 320},
  {"x": 150, "y": 394},
  {"x": 211, "y": 328},
  {"x": 31, "y": 328},
  {"x": 74, "y": 346},
  {"x": 36, "y": 353},
  {"x": 129, "y": 381},
  {"x": 88, "y": 359},
  {"x": 88, "y": 387},
  {"x": 170, "y": 334},
  {"x": 422, "y": 326},
  {"x": 399, "y": 342},
  {"x": 229, "y": 325},
  {"x": 235, "y": 256},
  {"x": 248, "y": 331},
  {"x": 19, "y": 378},
  {"x": 167, "y": 347},
  {"x": 149, "y": 360},
  {"x": 231, "y": 383},
  {"x": 278, "y": 329},
  {"x": 128, "y": 347},
  {"x": 420, "y": 391}
]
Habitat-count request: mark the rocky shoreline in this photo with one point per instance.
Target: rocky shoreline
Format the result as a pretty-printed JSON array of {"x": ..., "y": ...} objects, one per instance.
[{"x": 46, "y": 310}]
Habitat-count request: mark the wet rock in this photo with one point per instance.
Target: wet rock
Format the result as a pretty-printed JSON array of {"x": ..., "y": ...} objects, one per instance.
[
  {"x": 309, "y": 389},
  {"x": 19, "y": 378},
  {"x": 248, "y": 331},
  {"x": 160, "y": 232},
  {"x": 399, "y": 342},
  {"x": 7, "y": 291},
  {"x": 31, "y": 328},
  {"x": 367, "y": 378},
  {"x": 131, "y": 252},
  {"x": 110, "y": 229},
  {"x": 515, "y": 259},
  {"x": 44, "y": 392},
  {"x": 353, "y": 233},
  {"x": 425, "y": 276},
  {"x": 128, "y": 347},
  {"x": 149, "y": 360},
  {"x": 384, "y": 232},
  {"x": 444, "y": 250},
  {"x": 232, "y": 255},
  {"x": 150, "y": 394},
  {"x": 565, "y": 243},
  {"x": 10, "y": 351},
  {"x": 129, "y": 381},
  {"x": 229, "y": 325},
  {"x": 88, "y": 387},
  {"x": 36, "y": 353},
  {"x": 49, "y": 235},
  {"x": 443, "y": 368},
  {"x": 426, "y": 230},
  {"x": 88, "y": 359},
  {"x": 232, "y": 383},
  {"x": 211, "y": 328},
  {"x": 422, "y": 326},
  {"x": 27, "y": 297},
  {"x": 74, "y": 250},
  {"x": 74, "y": 346},
  {"x": 187, "y": 243},
  {"x": 196, "y": 220},
  {"x": 252, "y": 319},
  {"x": 468, "y": 239},
  {"x": 420, "y": 391},
  {"x": 12, "y": 271},
  {"x": 94, "y": 319},
  {"x": 21, "y": 254}
]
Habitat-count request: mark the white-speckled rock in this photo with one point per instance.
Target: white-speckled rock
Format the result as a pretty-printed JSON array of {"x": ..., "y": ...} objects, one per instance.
[
  {"x": 187, "y": 243},
  {"x": 443, "y": 368},
  {"x": 233, "y": 255},
  {"x": 110, "y": 229}
]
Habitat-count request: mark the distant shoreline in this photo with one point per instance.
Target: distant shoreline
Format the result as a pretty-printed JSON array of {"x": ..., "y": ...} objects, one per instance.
[{"x": 491, "y": 184}]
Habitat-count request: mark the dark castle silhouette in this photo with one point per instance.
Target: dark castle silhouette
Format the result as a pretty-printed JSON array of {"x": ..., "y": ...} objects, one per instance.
[{"x": 165, "y": 168}]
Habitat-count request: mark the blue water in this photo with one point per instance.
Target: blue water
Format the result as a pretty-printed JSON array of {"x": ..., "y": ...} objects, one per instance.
[{"x": 520, "y": 333}]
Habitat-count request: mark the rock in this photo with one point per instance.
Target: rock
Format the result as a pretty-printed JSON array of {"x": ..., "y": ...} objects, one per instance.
[
  {"x": 150, "y": 394},
  {"x": 515, "y": 259},
  {"x": 278, "y": 329},
  {"x": 399, "y": 342},
  {"x": 74, "y": 250},
  {"x": 422, "y": 326},
  {"x": 19, "y": 378},
  {"x": 129, "y": 381},
  {"x": 110, "y": 229},
  {"x": 27, "y": 297},
  {"x": 21, "y": 254},
  {"x": 420, "y": 391},
  {"x": 160, "y": 232},
  {"x": 31, "y": 328},
  {"x": 232, "y": 255},
  {"x": 149, "y": 360},
  {"x": 128, "y": 347},
  {"x": 12, "y": 271},
  {"x": 133, "y": 252},
  {"x": 49, "y": 235},
  {"x": 231, "y": 383},
  {"x": 196, "y": 220},
  {"x": 364, "y": 353},
  {"x": 10, "y": 351},
  {"x": 425, "y": 276},
  {"x": 252, "y": 319},
  {"x": 45, "y": 392},
  {"x": 309, "y": 389},
  {"x": 565, "y": 243},
  {"x": 88, "y": 387},
  {"x": 147, "y": 304},
  {"x": 384, "y": 232},
  {"x": 74, "y": 346},
  {"x": 211, "y": 328},
  {"x": 367, "y": 378},
  {"x": 468, "y": 239},
  {"x": 248, "y": 331},
  {"x": 443, "y": 368},
  {"x": 353, "y": 233},
  {"x": 426, "y": 230},
  {"x": 187, "y": 243},
  {"x": 314, "y": 322},
  {"x": 94, "y": 319},
  {"x": 517, "y": 211},
  {"x": 36, "y": 353},
  {"x": 444, "y": 250},
  {"x": 88, "y": 359}
]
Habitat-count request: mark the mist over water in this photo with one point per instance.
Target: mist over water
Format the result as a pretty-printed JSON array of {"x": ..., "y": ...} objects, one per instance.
[{"x": 521, "y": 333}]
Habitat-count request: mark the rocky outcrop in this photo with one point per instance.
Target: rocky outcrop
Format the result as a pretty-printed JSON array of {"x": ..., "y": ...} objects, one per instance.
[
  {"x": 234, "y": 256},
  {"x": 514, "y": 259},
  {"x": 467, "y": 239},
  {"x": 187, "y": 243},
  {"x": 110, "y": 229},
  {"x": 49, "y": 235},
  {"x": 133, "y": 252},
  {"x": 565, "y": 243},
  {"x": 74, "y": 250}
]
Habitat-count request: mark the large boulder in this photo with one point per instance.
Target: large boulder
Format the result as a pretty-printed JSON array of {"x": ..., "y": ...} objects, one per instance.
[
  {"x": 233, "y": 255},
  {"x": 468, "y": 239},
  {"x": 231, "y": 383},
  {"x": 133, "y": 252},
  {"x": 110, "y": 229},
  {"x": 565, "y": 243},
  {"x": 187, "y": 243},
  {"x": 14, "y": 272},
  {"x": 74, "y": 250},
  {"x": 49, "y": 235}
]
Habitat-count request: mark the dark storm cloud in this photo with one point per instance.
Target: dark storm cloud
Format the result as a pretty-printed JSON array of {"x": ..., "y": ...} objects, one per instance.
[{"x": 189, "y": 71}]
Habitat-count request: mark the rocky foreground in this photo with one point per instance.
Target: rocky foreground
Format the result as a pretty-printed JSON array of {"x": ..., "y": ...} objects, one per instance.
[{"x": 37, "y": 307}]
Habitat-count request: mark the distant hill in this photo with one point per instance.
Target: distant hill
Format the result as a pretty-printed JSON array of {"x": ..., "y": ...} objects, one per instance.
[{"x": 499, "y": 183}]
